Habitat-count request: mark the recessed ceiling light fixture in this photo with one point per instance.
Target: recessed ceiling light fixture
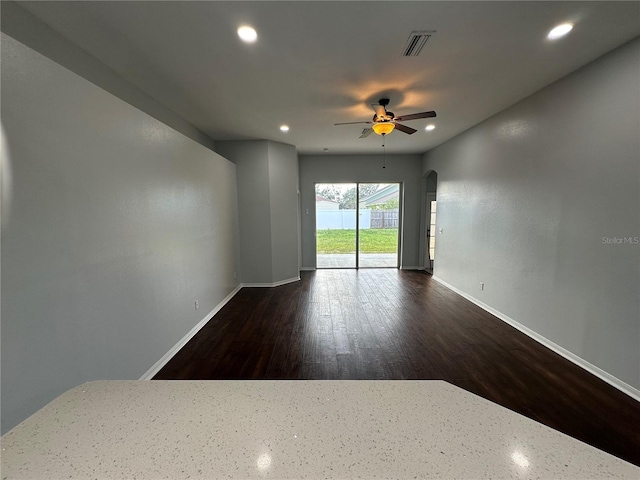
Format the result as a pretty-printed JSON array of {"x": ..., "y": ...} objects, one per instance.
[
  {"x": 247, "y": 34},
  {"x": 284, "y": 128},
  {"x": 559, "y": 31},
  {"x": 428, "y": 128}
]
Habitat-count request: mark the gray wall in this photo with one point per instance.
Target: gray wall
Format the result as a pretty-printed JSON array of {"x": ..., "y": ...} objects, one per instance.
[
  {"x": 267, "y": 201},
  {"x": 527, "y": 199},
  {"x": 117, "y": 224},
  {"x": 285, "y": 230},
  {"x": 32, "y": 32},
  {"x": 362, "y": 168},
  {"x": 251, "y": 159}
]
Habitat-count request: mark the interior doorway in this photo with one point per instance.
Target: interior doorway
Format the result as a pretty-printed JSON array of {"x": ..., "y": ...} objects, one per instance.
[
  {"x": 358, "y": 225},
  {"x": 431, "y": 210}
]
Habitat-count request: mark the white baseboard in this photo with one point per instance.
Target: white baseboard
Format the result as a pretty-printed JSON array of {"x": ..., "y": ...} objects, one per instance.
[
  {"x": 307, "y": 269},
  {"x": 149, "y": 374},
  {"x": 276, "y": 284},
  {"x": 598, "y": 372},
  {"x": 411, "y": 268}
]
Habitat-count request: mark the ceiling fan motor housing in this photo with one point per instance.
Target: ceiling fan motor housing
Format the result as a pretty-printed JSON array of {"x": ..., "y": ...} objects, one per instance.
[{"x": 387, "y": 118}]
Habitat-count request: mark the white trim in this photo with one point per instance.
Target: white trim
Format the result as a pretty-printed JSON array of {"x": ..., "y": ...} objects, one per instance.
[
  {"x": 307, "y": 269},
  {"x": 149, "y": 374},
  {"x": 411, "y": 268},
  {"x": 598, "y": 372},
  {"x": 276, "y": 284}
]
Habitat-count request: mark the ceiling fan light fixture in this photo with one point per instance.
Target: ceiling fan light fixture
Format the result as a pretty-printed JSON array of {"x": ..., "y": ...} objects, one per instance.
[{"x": 383, "y": 128}]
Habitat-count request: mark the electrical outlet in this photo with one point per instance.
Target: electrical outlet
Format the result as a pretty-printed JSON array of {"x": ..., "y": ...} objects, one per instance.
[
  {"x": 196, "y": 304},
  {"x": 481, "y": 285}
]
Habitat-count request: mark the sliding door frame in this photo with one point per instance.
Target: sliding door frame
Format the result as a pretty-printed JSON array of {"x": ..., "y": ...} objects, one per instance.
[{"x": 357, "y": 252}]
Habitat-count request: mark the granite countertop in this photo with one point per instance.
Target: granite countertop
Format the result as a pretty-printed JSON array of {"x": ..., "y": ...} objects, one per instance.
[{"x": 290, "y": 429}]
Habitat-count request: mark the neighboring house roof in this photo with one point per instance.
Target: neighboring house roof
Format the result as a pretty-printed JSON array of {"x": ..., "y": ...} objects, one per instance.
[{"x": 382, "y": 195}]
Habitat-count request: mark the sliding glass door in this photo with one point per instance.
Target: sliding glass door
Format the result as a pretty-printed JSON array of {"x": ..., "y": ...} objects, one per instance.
[
  {"x": 357, "y": 225},
  {"x": 336, "y": 225},
  {"x": 379, "y": 207}
]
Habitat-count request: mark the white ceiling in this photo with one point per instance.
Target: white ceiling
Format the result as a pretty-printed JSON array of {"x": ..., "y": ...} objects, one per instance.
[{"x": 318, "y": 63}]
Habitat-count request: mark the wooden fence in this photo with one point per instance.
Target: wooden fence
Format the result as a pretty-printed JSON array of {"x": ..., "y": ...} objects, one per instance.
[{"x": 384, "y": 218}]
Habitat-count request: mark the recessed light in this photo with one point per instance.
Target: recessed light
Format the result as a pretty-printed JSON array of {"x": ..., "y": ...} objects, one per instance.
[
  {"x": 428, "y": 128},
  {"x": 284, "y": 128},
  {"x": 559, "y": 31},
  {"x": 247, "y": 34}
]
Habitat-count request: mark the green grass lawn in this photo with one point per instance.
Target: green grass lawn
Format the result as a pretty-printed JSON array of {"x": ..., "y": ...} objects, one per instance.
[{"x": 373, "y": 240}]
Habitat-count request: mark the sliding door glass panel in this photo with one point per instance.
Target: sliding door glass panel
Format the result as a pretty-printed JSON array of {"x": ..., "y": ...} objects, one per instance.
[
  {"x": 336, "y": 225},
  {"x": 379, "y": 206}
]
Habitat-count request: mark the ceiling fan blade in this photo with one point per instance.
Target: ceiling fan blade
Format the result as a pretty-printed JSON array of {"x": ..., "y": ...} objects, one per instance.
[
  {"x": 380, "y": 111},
  {"x": 351, "y": 123},
  {"x": 416, "y": 116},
  {"x": 366, "y": 133},
  {"x": 404, "y": 128}
]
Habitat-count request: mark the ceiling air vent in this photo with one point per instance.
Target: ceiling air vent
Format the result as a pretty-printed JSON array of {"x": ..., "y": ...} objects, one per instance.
[{"x": 416, "y": 41}]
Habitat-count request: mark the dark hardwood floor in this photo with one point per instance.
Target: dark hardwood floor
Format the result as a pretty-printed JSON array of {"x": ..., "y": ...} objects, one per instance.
[{"x": 393, "y": 324}]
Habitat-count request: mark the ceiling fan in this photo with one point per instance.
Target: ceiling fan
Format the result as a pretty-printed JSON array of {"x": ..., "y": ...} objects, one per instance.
[{"x": 385, "y": 122}]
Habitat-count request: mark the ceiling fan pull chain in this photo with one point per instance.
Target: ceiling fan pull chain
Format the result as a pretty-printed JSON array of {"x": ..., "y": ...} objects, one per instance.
[{"x": 384, "y": 154}]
